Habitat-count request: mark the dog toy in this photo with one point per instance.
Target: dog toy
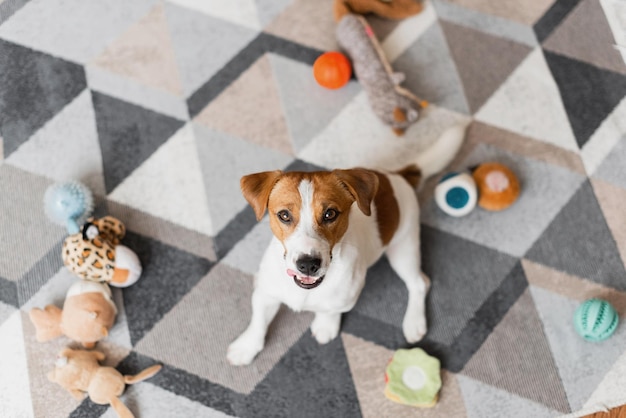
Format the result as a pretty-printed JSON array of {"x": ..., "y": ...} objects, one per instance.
[
  {"x": 413, "y": 378},
  {"x": 92, "y": 250},
  {"x": 390, "y": 9},
  {"x": 95, "y": 253},
  {"x": 332, "y": 70},
  {"x": 87, "y": 315},
  {"x": 393, "y": 104},
  {"x": 456, "y": 194},
  {"x": 79, "y": 372},
  {"x": 498, "y": 187},
  {"x": 68, "y": 204},
  {"x": 595, "y": 320}
]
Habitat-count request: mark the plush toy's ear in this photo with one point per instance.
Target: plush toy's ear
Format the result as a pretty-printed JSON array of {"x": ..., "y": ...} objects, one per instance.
[
  {"x": 362, "y": 185},
  {"x": 256, "y": 189},
  {"x": 47, "y": 322}
]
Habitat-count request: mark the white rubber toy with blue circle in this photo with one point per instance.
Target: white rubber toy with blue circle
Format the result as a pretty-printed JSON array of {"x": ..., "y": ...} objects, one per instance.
[{"x": 456, "y": 194}]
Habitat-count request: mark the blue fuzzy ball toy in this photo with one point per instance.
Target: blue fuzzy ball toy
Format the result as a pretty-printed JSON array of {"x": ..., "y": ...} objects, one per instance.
[{"x": 68, "y": 204}]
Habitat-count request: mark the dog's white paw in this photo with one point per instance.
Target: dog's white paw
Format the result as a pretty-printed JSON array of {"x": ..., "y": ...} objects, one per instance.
[
  {"x": 243, "y": 350},
  {"x": 325, "y": 327},
  {"x": 414, "y": 328}
]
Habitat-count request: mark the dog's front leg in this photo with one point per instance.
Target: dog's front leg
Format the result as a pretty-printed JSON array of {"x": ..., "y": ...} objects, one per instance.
[
  {"x": 243, "y": 350},
  {"x": 325, "y": 326}
]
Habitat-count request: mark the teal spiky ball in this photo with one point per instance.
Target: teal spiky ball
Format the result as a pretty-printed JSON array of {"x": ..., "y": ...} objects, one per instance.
[
  {"x": 596, "y": 320},
  {"x": 68, "y": 204}
]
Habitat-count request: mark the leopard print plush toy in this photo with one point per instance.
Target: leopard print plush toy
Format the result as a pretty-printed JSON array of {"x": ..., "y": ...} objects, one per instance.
[{"x": 95, "y": 253}]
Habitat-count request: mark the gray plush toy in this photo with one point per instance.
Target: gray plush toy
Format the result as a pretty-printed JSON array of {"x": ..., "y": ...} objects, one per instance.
[{"x": 393, "y": 104}]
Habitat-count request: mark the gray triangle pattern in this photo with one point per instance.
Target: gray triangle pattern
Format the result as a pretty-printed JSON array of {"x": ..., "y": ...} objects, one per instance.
[
  {"x": 235, "y": 159},
  {"x": 578, "y": 241},
  {"x": 518, "y": 343},
  {"x": 431, "y": 73}
]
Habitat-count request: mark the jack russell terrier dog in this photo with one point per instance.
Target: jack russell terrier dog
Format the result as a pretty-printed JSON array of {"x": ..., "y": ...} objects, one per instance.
[{"x": 329, "y": 227}]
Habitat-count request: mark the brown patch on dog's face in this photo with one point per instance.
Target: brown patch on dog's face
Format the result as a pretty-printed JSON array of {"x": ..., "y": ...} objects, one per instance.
[
  {"x": 284, "y": 205},
  {"x": 326, "y": 205},
  {"x": 331, "y": 207},
  {"x": 309, "y": 211}
]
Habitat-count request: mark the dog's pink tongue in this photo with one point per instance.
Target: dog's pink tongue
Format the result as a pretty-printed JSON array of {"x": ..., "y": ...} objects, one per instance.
[{"x": 305, "y": 279}]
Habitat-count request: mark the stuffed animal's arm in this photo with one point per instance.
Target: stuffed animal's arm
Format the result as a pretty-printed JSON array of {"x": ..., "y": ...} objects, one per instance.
[
  {"x": 77, "y": 394},
  {"x": 47, "y": 322}
]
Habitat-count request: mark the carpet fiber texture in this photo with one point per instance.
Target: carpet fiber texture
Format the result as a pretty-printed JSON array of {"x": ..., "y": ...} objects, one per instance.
[{"x": 161, "y": 106}]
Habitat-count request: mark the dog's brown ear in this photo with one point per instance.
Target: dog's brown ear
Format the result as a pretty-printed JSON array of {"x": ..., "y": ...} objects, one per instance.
[
  {"x": 256, "y": 189},
  {"x": 362, "y": 185}
]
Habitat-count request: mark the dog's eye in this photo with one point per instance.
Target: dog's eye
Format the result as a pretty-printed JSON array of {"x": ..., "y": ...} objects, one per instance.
[
  {"x": 330, "y": 215},
  {"x": 284, "y": 216}
]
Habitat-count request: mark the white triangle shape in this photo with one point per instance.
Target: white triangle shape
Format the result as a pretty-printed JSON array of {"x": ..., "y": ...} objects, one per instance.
[
  {"x": 529, "y": 103},
  {"x": 241, "y": 12},
  {"x": 482, "y": 400},
  {"x": 14, "y": 383},
  {"x": 169, "y": 185},
  {"x": 66, "y": 147}
]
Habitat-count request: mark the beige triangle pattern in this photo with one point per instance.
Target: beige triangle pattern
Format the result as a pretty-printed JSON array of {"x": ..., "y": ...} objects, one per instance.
[
  {"x": 526, "y": 12},
  {"x": 307, "y": 22},
  {"x": 611, "y": 199},
  {"x": 483, "y": 61},
  {"x": 144, "y": 53},
  {"x": 571, "y": 286},
  {"x": 367, "y": 364},
  {"x": 594, "y": 45},
  {"x": 250, "y": 109},
  {"x": 482, "y": 133}
]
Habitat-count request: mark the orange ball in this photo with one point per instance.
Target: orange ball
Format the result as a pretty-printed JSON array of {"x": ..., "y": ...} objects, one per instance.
[
  {"x": 332, "y": 70},
  {"x": 498, "y": 187}
]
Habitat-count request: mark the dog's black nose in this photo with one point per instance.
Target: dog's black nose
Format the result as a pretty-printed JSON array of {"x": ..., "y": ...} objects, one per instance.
[{"x": 308, "y": 265}]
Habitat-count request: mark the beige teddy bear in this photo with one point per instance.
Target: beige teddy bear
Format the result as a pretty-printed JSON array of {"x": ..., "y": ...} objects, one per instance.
[
  {"x": 79, "y": 372},
  {"x": 87, "y": 315}
]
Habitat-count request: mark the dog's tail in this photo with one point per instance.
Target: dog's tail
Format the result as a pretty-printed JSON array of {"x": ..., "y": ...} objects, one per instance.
[
  {"x": 436, "y": 157},
  {"x": 442, "y": 151}
]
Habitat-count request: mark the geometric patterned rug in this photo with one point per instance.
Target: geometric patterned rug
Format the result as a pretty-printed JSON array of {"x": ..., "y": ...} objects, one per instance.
[{"x": 161, "y": 106}]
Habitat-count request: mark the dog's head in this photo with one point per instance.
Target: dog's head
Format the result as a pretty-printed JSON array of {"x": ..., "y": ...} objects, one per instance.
[{"x": 309, "y": 213}]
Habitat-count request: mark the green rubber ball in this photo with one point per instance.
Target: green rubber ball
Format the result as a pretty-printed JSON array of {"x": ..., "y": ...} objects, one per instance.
[{"x": 595, "y": 320}]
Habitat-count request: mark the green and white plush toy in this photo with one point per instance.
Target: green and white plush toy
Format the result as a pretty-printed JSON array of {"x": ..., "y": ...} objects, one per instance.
[{"x": 413, "y": 378}]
